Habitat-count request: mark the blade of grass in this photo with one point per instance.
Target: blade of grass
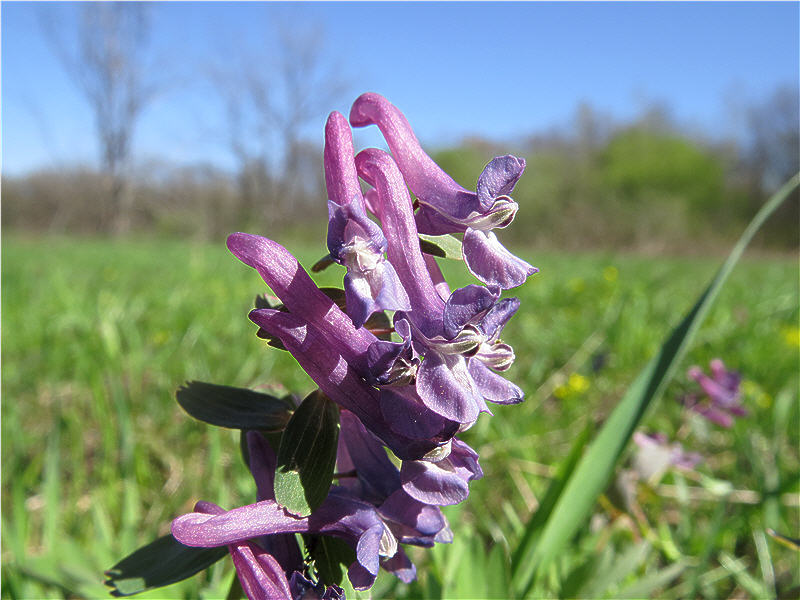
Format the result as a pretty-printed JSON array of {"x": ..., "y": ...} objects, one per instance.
[{"x": 595, "y": 468}]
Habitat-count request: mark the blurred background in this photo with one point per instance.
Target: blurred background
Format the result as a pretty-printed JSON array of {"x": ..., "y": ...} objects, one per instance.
[
  {"x": 645, "y": 126},
  {"x": 136, "y": 136}
]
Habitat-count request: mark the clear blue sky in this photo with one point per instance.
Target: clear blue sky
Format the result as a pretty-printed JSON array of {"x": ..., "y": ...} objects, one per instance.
[{"x": 499, "y": 70}]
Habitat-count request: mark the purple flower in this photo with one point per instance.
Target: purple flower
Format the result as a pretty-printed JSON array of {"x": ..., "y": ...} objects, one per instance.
[
  {"x": 262, "y": 565},
  {"x": 446, "y": 207},
  {"x": 331, "y": 349},
  {"x": 353, "y": 239},
  {"x": 320, "y": 357},
  {"x": 445, "y": 334},
  {"x": 656, "y": 454},
  {"x": 722, "y": 396},
  {"x": 247, "y": 530}
]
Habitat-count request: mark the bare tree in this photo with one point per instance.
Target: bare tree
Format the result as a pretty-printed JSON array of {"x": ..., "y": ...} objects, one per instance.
[
  {"x": 108, "y": 65},
  {"x": 270, "y": 98}
]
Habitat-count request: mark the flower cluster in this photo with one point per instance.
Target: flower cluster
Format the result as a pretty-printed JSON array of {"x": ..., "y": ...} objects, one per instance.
[
  {"x": 720, "y": 401},
  {"x": 412, "y": 394}
]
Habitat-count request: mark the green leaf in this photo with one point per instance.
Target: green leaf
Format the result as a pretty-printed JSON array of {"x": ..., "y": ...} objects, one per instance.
[
  {"x": 443, "y": 246},
  {"x": 521, "y": 565},
  {"x": 159, "y": 563},
  {"x": 307, "y": 455},
  {"x": 595, "y": 469},
  {"x": 231, "y": 407},
  {"x": 332, "y": 557}
]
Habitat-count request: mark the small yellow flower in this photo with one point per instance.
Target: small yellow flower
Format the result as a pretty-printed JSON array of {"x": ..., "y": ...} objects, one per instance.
[
  {"x": 576, "y": 385},
  {"x": 791, "y": 336},
  {"x": 610, "y": 274}
]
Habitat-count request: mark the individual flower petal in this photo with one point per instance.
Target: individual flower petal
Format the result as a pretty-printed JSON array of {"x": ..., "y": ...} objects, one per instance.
[
  {"x": 445, "y": 482},
  {"x": 445, "y": 386},
  {"x": 489, "y": 261},
  {"x": 499, "y": 178},
  {"x": 401, "y": 566},
  {"x": 304, "y": 589},
  {"x": 493, "y": 387},
  {"x": 466, "y": 305},
  {"x": 379, "y": 478}
]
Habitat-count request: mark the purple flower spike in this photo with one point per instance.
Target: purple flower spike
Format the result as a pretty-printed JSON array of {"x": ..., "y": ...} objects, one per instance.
[
  {"x": 489, "y": 261},
  {"x": 354, "y": 240},
  {"x": 446, "y": 207},
  {"x": 723, "y": 398},
  {"x": 445, "y": 482}
]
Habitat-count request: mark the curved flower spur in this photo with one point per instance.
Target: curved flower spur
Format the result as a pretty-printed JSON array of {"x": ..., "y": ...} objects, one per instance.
[{"x": 446, "y": 207}]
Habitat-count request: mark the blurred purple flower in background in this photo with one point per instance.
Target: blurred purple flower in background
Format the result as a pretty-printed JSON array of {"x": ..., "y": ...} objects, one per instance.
[
  {"x": 655, "y": 455},
  {"x": 721, "y": 399}
]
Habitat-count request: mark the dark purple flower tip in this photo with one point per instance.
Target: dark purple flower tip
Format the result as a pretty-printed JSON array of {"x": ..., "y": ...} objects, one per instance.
[
  {"x": 304, "y": 589},
  {"x": 493, "y": 387},
  {"x": 445, "y": 482},
  {"x": 488, "y": 260},
  {"x": 341, "y": 179},
  {"x": 498, "y": 179},
  {"x": 466, "y": 305}
]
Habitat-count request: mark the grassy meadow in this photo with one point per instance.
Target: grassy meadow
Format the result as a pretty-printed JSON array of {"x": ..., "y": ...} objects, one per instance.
[{"x": 98, "y": 457}]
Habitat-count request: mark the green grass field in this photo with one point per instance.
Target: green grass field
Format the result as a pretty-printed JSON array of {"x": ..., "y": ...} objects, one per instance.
[{"x": 98, "y": 458}]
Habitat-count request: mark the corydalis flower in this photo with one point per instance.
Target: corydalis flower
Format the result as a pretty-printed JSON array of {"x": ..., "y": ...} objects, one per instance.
[
  {"x": 445, "y": 334},
  {"x": 341, "y": 514},
  {"x": 354, "y": 240},
  {"x": 722, "y": 396},
  {"x": 330, "y": 348},
  {"x": 446, "y": 207},
  {"x": 656, "y": 455}
]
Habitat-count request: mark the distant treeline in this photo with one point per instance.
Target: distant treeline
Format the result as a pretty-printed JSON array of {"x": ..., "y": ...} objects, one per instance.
[{"x": 646, "y": 185}]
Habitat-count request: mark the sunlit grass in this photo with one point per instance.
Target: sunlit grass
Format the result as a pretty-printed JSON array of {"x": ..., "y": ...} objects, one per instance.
[{"x": 98, "y": 457}]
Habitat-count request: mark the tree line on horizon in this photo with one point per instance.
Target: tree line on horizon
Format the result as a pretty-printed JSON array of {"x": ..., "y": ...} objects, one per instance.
[{"x": 648, "y": 183}]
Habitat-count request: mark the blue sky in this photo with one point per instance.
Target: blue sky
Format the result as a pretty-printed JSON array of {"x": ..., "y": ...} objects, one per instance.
[{"x": 499, "y": 70}]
